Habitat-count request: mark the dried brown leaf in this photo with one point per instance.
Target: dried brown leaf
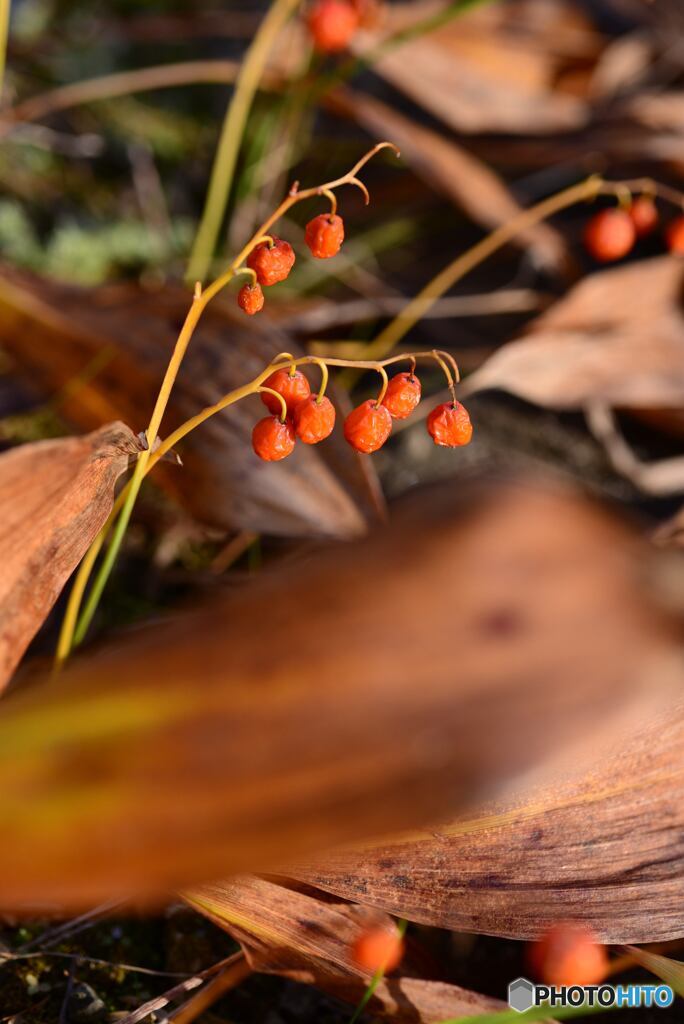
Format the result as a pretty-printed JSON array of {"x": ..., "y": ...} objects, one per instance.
[
  {"x": 309, "y": 937},
  {"x": 56, "y": 333},
  {"x": 54, "y": 497},
  {"x": 606, "y": 849},
  {"x": 493, "y": 69},
  {"x": 381, "y": 685},
  {"x": 617, "y": 339}
]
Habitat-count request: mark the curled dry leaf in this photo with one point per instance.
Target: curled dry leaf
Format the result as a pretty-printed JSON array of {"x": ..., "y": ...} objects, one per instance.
[
  {"x": 606, "y": 849},
  {"x": 617, "y": 339},
  {"x": 308, "y": 936},
  {"x": 54, "y": 497},
  {"x": 383, "y": 684},
  {"x": 57, "y": 333}
]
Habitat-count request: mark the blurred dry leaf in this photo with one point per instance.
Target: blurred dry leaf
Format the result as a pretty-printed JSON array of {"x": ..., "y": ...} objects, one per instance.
[
  {"x": 54, "y": 497},
  {"x": 493, "y": 69},
  {"x": 668, "y": 970},
  {"x": 56, "y": 332},
  {"x": 617, "y": 339},
  {"x": 308, "y": 937},
  {"x": 381, "y": 685},
  {"x": 455, "y": 172},
  {"x": 606, "y": 849}
]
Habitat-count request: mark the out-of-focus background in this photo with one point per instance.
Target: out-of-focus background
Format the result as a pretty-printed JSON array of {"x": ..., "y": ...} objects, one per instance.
[{"x": 356, "y": 645}]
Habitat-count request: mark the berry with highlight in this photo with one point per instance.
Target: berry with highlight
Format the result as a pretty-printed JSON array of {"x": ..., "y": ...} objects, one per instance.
[
  {"x": 251, "y": 299},
  {"x": 367, "y": 427},
  {"x": 314, "y": 419},
  {"x": 324, "y": 235},
  {"x": 568, "y": 954},
  {"x": 402, "y": 395},
  {"x": 610, "y": 235},
  {"x": 378, "y": 949},
  {"x": 449, "y": 425},
  {"x": 332, "y": 23},
  {"x": 273, "y": 440},
  {"x": 294, "y": 387},
  {"x": 271, "y": 263},
  {"x": 644, "y": 214}
]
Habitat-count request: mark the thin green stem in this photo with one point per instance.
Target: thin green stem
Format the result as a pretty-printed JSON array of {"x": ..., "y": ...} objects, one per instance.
[
  {"x": 4, "y": 35},
  {"x": 375, "y": 981},
  {"x": 231, "y": 137}
]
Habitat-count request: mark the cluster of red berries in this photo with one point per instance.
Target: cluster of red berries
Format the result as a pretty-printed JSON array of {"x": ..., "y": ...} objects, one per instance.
[
  {"x": 612, "y": 234},
  {"x": 332, "y": 23},
  {"x": 311, "y": 417},
  {"x": 273, "y": 259},
  {"x": 568, "y": 954}
]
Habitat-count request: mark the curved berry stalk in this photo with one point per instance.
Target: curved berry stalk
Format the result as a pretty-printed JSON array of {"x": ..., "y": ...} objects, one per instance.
[
  {"x": 73, "y": 627},
  {"x": 280, "y": 372}
]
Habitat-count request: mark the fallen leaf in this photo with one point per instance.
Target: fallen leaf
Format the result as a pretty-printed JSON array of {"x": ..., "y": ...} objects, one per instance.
[
  {"x": 309, "y": 937},
  {"x": 606, "y": 849},
  {"x": 55, "y": 333},
  {"x": 668, "y": 970},
  {"x": 382, "y": 684},
  {"x": 54, "y": 498},
  {"x": 454, "y": 171},
  {"x": 492, "y": 69},
  {"x": 617, "y": 338}
]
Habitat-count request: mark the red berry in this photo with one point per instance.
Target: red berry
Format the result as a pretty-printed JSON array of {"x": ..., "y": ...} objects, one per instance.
[
  {"x": 294, "y": 387},
  {"x": 251, "y": 298},
  {"x": 675, "y": 237},
  {"x": 367, "y": 427},
  {"x": 332, "y": 23},
  {"x": 378, "y": 949},
  {"x": 314, "y": 419},
  {"x": 449, "y": 425},
  {"x": 402, "y": 395},
  {"x": 644, "y": 214},
  {"x": 272, "y": 439},
  {"x": 324, "y": 235},
  {"x": 271, "y": 263},
  {"x": 609, "y": 235},
  {"x": 568, "y": 954}
]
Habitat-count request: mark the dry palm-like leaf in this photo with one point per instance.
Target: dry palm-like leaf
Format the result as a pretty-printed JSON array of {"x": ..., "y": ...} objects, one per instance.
[
  {"x": 493, "y": 69},
  {"x": 56, "y": 333},
  {"x": 606, "y": 849},
  {"x": 309, "y": 937},
  {"x": 54, "y": 498},
  {"x": 454, "y": 171},
  {"x": 617, "y": 338},
  {"x": 381, "y": 685}
]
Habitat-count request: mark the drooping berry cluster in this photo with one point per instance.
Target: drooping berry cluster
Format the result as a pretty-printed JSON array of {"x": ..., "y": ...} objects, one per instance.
[
  {"x": 272, "y": 259},
  {"x": 612, "y": 234},
  {"x": 297, "y": 413}
]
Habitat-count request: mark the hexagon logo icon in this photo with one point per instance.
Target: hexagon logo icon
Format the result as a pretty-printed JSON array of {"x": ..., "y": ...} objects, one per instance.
[{"x": 521, "y": 995}]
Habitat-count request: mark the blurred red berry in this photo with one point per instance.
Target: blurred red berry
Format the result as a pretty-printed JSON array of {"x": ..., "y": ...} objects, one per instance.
[
  {"x": 271, "y": 263},
  {"x": 294, "y": 387},
  {"x": 644, "y": 215},
  {"x": 449, "y": 425},
  {"x": 272, "y": 439},
  {"x": 675, "y": 237},
  {"x": 367, "y": 427},
  {"x": 568, "y": 954},
  {"x": 378, "y": 949},
  {"x": 402, "y": 395},
  {"x": 251, "y": 298},
  {"x": 324, "y": 235},
  {"x": 314, "y": 419},
  {"x": 332, "y": 23},
  {"x": 609, "y": 235}
]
